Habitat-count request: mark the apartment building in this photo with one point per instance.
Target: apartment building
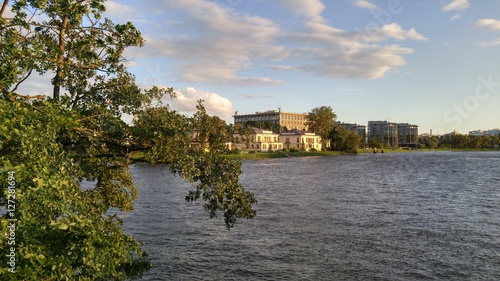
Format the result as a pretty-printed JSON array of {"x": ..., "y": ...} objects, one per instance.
[{"x": 394, "y": 134}]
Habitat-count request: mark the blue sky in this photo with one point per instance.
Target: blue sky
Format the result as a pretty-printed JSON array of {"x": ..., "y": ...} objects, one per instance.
[{"x": 430, "y": 63}]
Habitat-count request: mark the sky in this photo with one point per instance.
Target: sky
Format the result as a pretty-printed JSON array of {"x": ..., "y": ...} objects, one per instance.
[{"x": 430, "y": 63}]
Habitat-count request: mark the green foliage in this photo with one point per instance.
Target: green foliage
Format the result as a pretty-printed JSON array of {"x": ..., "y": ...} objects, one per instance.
[
  {"x": 344, "y": 140},
  {"x": 321, "y": 121},
  {"x": 195, "y": 148},
  {"x": 469, "y": 142},
  {"x": 266, "y": 125},
  {"x": 430, "y": 143},
  {"x": 374, "y": 143},
  {"x": 63, "y": 230}
]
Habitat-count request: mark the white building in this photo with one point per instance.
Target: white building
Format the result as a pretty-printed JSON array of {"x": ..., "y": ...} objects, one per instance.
[{"x": 492, "y": 132}]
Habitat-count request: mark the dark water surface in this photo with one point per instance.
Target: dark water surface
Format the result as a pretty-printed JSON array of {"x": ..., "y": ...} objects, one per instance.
[{"x": 400, "y": 216}]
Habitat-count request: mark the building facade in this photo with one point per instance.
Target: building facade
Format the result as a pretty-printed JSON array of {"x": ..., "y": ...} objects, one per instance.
[
  {"x": 301, "y": 140},
  {"x": 285, "y": 120},
  {"x": 407, "y": 135},
  {"x": 264, "y": 140},
  {"x": 393, "y": 134}
]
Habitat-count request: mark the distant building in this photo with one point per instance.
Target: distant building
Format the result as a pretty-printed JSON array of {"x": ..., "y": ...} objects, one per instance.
[
  {"x": 264, "y": 140},
  {"x": 288, "y": 120},
  {"x": 407, "y": 135},
  {"x": 300, "y": 139},
  {"x": 394, "y": 134},
  {"x": 492, "y": 132}
]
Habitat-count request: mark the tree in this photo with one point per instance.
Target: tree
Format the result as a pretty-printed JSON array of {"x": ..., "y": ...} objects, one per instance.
[
  {"x": 344, "y": 140},
  {"x": 321, "y": 121},
  {"x": 64, "y": 230},
  {"x": 374, "y": 143},
  {"x": 266, "y": 125}
]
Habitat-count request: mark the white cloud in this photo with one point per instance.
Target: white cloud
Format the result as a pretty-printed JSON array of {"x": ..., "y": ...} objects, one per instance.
[
  {"x": 310, "y": 8},
  {"x": 490, "y": 43},
  {"x": 490, "y": 24},
  {"x": 393, "y": 30},
  {"x": 116, "y": 9},
  {"x": 187, "y": 99},
  {"x": 327, "y": 51},
  {"x": 458, "y": 5},
  {"x": 456, "y": 16},
  {"x": 365, "y": 4},
  {"x": 216, "y": 43}
]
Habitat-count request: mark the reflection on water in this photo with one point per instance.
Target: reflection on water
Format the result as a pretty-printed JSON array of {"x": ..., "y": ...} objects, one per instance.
[{"x": 409, "y": 216}]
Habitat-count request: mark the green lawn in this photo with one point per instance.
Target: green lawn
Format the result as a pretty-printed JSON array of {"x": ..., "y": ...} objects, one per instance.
[{"x": 279, "y": 154}]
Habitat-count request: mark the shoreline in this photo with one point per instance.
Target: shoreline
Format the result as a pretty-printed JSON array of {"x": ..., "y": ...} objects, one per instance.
[
  {"x": 139, "y": 156},
  {"x": 271, "y": 155}
]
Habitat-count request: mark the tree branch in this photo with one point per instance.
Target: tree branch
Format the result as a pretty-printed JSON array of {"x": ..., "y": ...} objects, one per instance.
[{"x": 22, "y": 80}]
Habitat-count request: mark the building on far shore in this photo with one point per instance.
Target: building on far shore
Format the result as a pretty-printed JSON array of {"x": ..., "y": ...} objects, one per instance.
[
  {"x": 394, "y": 134},
  {"x": 492, "y": 132},
  {"x": 285, "y": 120},
  {"x": 264, "y": 140},
  {"x": 301, "y": 140}
]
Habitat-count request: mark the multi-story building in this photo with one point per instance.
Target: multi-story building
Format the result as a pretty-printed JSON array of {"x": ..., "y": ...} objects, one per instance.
[
  {"x": 385, "y": 132},
  {"x": 407, "y": 135},
  {"x": 393, "y": 134},
  {"x": 300, "y": 139},
  {"x": 285, "y": 120},
  {"x": 264, "y": 140}
]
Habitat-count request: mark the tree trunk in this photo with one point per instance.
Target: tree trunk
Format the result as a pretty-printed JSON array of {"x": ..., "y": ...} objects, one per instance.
[
  {"x": 3, "y": 7},
  {"x": 60, "y": 60}
]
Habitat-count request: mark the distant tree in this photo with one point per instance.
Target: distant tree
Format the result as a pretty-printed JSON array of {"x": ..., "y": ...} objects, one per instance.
[
  {"x": 266, "y": 125},
  {"x": 429, "y": 142},
  {"x": 344, "y": 140},
  {"x": 374, "y": 143},
  {"x": 321, "y": 121}
]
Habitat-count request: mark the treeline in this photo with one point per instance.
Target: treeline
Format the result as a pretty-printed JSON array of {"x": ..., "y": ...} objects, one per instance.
[{"x": 458, "y": 141}]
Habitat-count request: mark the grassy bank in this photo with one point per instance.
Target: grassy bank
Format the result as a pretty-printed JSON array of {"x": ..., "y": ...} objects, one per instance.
[
  {"x": 138, "y": 156},
  {"x": 279, "y": 154}
]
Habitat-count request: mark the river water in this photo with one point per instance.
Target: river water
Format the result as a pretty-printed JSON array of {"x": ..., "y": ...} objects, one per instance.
[{"x": 392, "y": 216}]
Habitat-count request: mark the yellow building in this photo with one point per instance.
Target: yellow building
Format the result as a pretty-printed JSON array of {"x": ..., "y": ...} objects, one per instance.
[
  {"x": 264, "y": 140},
  {"x": 285, "y": 120},
  {"x": 300, "y": 139}
]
